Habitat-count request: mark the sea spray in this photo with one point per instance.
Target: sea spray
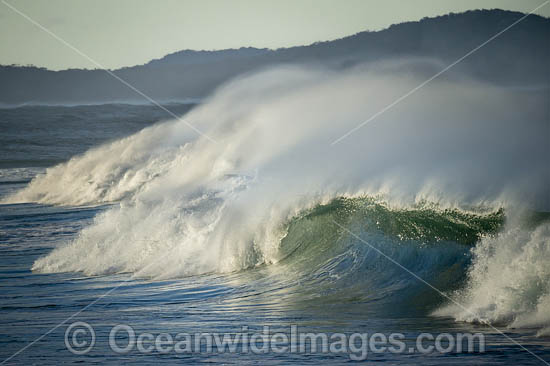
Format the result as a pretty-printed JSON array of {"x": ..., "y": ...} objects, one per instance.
[
  {"x": 187, "y": 205},
  {"x": 508, "y": 281}
]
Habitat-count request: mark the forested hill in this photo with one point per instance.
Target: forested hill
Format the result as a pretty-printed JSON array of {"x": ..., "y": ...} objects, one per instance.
[{"x": 519, "y": 56}]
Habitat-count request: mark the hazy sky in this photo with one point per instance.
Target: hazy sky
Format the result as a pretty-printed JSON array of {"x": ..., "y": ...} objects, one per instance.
[{"x": 128, "y": 32}]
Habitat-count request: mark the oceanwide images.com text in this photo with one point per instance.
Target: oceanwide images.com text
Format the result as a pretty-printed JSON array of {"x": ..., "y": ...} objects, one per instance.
[{"x": 80, "y": 339}]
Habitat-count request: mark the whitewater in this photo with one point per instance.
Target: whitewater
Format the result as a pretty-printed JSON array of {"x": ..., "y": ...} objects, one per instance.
[{"x": 452, "y": 183}]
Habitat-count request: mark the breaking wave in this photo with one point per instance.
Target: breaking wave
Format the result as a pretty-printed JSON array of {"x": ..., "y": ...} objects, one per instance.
[{"x": 441, "y": 183}]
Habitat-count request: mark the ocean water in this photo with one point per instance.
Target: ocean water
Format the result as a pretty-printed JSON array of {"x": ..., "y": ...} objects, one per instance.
[{"x": 431, "y": 220}]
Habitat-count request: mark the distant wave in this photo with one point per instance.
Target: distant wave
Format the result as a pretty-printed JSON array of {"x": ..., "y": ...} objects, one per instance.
[
  {"x": 441, "y": 167},
  {"x": 99, "y": 103}
]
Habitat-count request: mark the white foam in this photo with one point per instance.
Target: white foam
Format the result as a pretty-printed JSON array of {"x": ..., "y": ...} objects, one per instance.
[{"x": 508, "y": 282}]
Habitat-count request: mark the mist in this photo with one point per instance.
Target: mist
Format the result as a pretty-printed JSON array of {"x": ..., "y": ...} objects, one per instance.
[{"x": 268, "y": 154}]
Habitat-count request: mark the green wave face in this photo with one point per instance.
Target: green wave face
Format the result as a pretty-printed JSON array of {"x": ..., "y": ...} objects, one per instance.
[
  {"x": 338, "y": 252},
  {"x": 424, "y": 223}
]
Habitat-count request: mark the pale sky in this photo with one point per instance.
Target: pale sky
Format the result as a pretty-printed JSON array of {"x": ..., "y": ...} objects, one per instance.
[{"x": 129, "y": 32}]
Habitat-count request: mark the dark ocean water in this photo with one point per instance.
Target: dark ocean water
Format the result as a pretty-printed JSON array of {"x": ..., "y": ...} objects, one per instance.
[{"x": 326, "y": 279}]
